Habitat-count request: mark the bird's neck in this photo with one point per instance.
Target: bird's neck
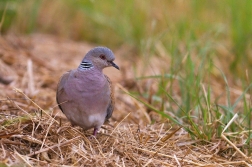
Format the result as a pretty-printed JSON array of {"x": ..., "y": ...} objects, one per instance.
[
  {"x": 86, "y": 65},
  {"x": 94, "y": 77}
]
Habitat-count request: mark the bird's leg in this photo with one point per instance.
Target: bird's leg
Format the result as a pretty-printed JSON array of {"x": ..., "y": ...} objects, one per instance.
[
  {"x": 95, "y": 131},
  {"x": 92, "y": 137},
  {"x": 60, "y": 122}
]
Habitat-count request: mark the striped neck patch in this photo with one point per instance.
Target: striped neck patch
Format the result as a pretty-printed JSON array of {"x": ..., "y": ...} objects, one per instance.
[{"x": 86, "y": 65}]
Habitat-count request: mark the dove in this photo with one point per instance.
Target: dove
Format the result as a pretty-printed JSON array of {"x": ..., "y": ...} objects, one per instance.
[{"x": 85, "y": 94}]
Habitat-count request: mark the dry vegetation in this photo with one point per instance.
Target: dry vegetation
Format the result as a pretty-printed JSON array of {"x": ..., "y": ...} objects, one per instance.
[{"x": 35, "y": 133}]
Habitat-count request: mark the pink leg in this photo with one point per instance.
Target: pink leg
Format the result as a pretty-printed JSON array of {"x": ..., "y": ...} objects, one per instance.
[{"x": 95, "y": 132}]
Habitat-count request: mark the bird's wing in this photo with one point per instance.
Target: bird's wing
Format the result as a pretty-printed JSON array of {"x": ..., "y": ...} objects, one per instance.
[
  {"x": 60, "y": 88},
  {"x": 110, "y": 108}
]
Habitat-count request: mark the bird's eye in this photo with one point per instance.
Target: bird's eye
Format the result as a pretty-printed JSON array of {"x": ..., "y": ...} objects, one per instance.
[{"x": 102, "y": 57}]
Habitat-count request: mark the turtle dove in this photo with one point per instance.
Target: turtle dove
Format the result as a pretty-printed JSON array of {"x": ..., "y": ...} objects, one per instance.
[{"x": 85, "y": 94}]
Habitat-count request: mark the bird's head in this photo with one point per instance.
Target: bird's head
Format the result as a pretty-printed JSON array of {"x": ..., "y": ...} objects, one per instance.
[{"x": 98, "y": 57}]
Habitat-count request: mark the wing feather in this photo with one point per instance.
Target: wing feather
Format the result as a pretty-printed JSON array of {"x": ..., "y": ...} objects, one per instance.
[
  {"x": 110, "y": 108},
  {"x": 60, "y": 88}
]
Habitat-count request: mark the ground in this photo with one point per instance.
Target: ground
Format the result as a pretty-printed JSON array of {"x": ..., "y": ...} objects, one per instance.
[{"x": 34, "y": 132}]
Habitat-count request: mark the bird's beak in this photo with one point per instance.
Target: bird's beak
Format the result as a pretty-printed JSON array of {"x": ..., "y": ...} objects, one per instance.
[{"x": 114, "y": 65}]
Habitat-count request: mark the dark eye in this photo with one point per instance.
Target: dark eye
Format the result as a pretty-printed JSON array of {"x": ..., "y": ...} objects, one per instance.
[{"x": 102, "y": 57}]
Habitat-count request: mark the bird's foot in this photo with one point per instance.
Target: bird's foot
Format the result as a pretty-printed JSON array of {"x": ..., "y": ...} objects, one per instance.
[
  {"x": 92, "y": 138},
  {"x": 94, "y": 134}
]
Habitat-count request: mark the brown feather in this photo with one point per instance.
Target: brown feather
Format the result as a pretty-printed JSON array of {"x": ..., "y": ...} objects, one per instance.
[
  {"x": 110, "y": 108},
  {"x": 60, "y": 87}
]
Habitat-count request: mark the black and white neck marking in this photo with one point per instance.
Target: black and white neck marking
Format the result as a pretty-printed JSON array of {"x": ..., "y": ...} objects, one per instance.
[{"x": 86, "y": 65}]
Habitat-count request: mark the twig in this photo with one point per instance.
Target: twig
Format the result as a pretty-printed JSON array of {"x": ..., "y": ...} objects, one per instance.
[
  {"x": 233, "y": 145},
  {"x": 23, "y": 159},
  {"x": 169, "y": 156},
  {"x": 237, "y": 149},
  {"x": 117, "y": 127},
  {"x": 31, "y": 86},
  {"x": 52, "y": 147},
  {"x": 30, "y": 116},
  {"x": 235, "y": 162},
  {"x": 229, "y": 123},
  {"x": 176, "y": 159},
  {"x": 21, "y": 92}
]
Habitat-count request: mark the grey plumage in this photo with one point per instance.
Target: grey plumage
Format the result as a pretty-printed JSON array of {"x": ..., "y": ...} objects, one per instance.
[{"x": 85, "y": 94}]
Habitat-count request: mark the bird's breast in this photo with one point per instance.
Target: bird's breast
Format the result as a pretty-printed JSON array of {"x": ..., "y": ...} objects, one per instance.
[
  {"x": 89, "y": 90},
  {"x": 90, "y": 82}
]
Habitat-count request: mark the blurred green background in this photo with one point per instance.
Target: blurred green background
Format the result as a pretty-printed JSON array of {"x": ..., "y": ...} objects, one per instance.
[{"x": 225, "y": 27}]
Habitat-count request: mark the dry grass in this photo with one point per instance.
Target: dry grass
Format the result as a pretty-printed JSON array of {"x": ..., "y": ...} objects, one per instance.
[{"x": 35, "y": 133}]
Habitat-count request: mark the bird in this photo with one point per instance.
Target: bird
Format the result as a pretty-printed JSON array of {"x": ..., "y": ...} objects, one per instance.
[{"x": 85, "y": 94}]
